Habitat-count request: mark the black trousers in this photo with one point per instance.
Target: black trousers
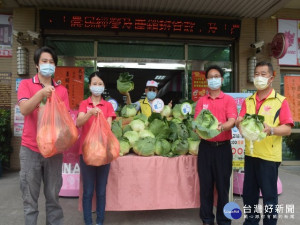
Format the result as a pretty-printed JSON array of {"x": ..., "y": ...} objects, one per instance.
[
  {"x": 214, "y": 168},
  {"x": 260, "y": 175}
]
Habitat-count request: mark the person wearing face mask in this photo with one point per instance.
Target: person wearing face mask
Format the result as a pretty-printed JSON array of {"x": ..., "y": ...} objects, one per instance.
[
  {"x": 144, "y": 105},
  {"x": 93, "y": 176},
  {"x": 261, "y": 167},
  {"x": 215, "y": 155},
  {"x": 34, "y": 167}
]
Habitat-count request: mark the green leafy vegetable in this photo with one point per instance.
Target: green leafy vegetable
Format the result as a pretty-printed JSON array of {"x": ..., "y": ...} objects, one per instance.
[
  {"x": 206, "y": 125},
  {"x": 180, "y": 147},
  {"x": 128, "y": 111},
  {"x": 162, "y": 147},
  {"x": 193, "y": 146},
  {"x": 124, "y": 146},
  {"x": 167, "y": 111},
  {"x": 144, "y": 146},
  {"x": 116, "y": 128},
  {"x": 252, "y": 128},
  {"x": 146, "y": 133},
  {"x": 124, "y": 83},
  {"x": 137, "y": 125},
  {"x": 132, "y": 136}
]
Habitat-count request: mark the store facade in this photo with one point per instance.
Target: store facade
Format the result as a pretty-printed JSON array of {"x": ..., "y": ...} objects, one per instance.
[{"x": 158, "y": 39}]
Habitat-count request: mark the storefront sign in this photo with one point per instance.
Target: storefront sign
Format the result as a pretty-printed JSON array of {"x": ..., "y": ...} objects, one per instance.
[
  {"x": 73, "y": 79},
  {"x": 97, "y": 21},
  {"x": 292, "y": 93},
  {"x": 291, "y": 31},
  {"x": 199, "y": 85},
  {"x": 6, "y": 35}
]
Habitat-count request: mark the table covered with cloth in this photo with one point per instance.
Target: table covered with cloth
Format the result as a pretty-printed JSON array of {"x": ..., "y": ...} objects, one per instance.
[{"x": 150, "y": 183}]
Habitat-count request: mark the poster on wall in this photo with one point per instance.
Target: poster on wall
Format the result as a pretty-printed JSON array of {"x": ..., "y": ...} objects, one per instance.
[
  {"x": 199, "y": 85},
  {"x": 18, "y": 122},
  {"x": 73, "y": 79},
  {"x": 6, "y": 36},
  {"x": 292, "y": 94},
  {"x": 237, "y": 141},
  {"x": 291, "y": 31}
]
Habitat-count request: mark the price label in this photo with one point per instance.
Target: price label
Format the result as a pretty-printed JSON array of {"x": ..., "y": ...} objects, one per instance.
[
  {"x": 114, "y": 103},
  {"x": 157, "y": 105},
  {"x": 186, "y": 108}
]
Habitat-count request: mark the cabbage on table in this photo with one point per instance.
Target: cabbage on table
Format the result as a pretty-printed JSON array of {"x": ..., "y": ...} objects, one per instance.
[
  {"x": 128, "y": 111},
  {"x": 144, "y": 146},
  {"x": 252, "y": 127},
  {"x": 206, "y": 125}
]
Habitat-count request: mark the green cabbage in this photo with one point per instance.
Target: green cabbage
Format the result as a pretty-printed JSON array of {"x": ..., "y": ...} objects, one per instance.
[
  {"x": 178, "y": 131},
  {"x": 206, "y": 125},
  {"x": 132, "y": 136},
  {"x": 124, "y": 83},
  {"x": 137, "y": 125},
  {"x": 162, "y": 147},
  {"x": 167, "y": 111},
  {"x": 252, "y": 127},
  {"x": 116, "y": 128},
  {"x": 177, "y": 112},
  {"x": 128, "y": 111},
  {"x": 193, "y": 146},
  {"x": 180, "y": 147},
  {"x": 144, "y": 146},
  {"x": 146, "y": 133},
  {"x": 124, "y": 146}
]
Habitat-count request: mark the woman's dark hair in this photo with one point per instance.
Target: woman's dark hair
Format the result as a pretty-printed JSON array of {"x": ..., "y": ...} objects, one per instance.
[
  {"x": 214, "y": 67},
  {"x": 94, "y": 74},
  {"x": 39, "y": 51}
]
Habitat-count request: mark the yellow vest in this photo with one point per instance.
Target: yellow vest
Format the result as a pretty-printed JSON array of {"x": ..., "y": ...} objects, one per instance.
[
  {"x": 145, "y": 107},
  {"x": 269, "y": 148}
]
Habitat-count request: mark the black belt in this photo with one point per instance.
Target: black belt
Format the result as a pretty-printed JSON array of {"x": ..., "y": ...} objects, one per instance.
[{"x": 215, "y": 143}]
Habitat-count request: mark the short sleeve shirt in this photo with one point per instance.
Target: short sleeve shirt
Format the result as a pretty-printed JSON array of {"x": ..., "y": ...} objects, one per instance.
[
  {"x": 222, "y": 107},
  {"x": 27, "y": 89},
  {"x": 85, "y": 106},
  {"x": 285, "y": 115}
]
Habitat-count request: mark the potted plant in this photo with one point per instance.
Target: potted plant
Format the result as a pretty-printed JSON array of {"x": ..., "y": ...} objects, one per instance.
[{"x": 5, "y": 139}]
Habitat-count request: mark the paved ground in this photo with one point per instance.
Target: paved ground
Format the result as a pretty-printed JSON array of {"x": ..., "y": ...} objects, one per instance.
[{"x": 11, "y": 209}]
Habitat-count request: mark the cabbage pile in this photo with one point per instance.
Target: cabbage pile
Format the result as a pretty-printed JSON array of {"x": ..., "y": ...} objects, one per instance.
[
  {"x": 162, "y": 134},
  {"x": 206, "y": 125},
  {"x": 252, "y": 127},
  {"x": 124, "y": 83}
]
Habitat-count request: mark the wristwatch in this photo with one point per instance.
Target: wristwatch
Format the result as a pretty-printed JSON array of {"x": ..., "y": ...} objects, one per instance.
[{"x": 272, "y": 131}]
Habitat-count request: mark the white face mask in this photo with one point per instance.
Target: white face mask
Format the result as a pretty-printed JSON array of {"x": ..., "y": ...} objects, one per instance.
[
  {"x": 214, "y": 83},
  {"x": 261, "y": 83},
  {"x": 96, "y": 90}
]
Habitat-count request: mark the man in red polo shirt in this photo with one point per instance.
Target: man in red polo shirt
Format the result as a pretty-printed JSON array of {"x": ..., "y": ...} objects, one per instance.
[
  {"x": 34, "y": 167},
  {"x": 215, "y": 155}
]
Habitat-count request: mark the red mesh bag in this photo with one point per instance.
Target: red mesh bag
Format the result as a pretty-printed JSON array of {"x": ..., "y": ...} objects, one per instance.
[
  {"x": 100, "y": 146},
  {"x": 56, "y": 131}
]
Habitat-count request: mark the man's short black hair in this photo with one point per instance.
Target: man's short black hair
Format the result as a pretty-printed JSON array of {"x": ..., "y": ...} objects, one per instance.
[
  {"x": 269, "y": 65},
  {"x": 39, "y": 51},
  {"x": 214, "y": 67}
]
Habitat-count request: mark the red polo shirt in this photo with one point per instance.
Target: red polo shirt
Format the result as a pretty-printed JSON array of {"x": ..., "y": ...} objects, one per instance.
[
  {"x": 26, "y": 90},
  {"x": 222, "y": 107},
  {"x": 85, "y": 106},
  {"x": 285, "y": 115}
]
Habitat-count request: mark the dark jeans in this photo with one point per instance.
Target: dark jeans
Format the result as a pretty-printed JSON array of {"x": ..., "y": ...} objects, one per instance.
[
  {"x": 260, "y": 175},
  {"x": 92, "y": 175},
  {"x": 214, "y": 168}
]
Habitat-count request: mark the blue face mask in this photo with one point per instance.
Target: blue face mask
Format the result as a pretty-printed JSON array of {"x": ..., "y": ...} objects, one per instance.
[
  {"x": 214, "y": 83},
  {"x": 47, "y": 70},
  {"x": 151, "y": 95},
  {"x": 96, "y": 90}
]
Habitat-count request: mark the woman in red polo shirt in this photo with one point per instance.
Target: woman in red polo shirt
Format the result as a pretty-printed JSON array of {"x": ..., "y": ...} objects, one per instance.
[{"x": 91, "y": 175}]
